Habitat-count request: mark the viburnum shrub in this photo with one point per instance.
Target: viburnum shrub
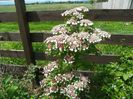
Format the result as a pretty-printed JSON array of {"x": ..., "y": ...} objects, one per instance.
[{"x": 71, "y": 40}]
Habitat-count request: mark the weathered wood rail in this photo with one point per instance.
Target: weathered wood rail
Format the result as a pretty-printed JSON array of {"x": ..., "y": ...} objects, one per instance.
[
  {"x": 23, "y": 18},
  {"x": 94, "y": 14},
  {"x": 40, "y": 37}
]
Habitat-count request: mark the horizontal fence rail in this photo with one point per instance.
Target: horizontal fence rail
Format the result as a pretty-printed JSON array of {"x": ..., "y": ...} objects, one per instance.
[
  {"x": 103, "y": 59},
  {"x": 40, "y": 37},
  {"x": 13, "y": 69},
  {"x": 19, "y": 70},
  {"x": 94, "y": 14}
]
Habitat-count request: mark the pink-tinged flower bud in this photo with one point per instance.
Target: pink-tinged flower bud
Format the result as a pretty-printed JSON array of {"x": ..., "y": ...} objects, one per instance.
[
  {"x": 53, "y": 89},
  {"x": 69, "y": 59}
]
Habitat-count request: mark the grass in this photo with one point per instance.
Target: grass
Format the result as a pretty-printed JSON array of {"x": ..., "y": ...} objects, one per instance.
[{"x": 112, "y": 27}]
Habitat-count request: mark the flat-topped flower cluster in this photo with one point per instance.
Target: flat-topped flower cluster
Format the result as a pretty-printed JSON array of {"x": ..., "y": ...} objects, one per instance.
[{"x": 77, "y": 35}]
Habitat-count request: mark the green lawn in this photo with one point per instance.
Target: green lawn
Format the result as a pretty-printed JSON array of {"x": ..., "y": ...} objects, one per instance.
[{"x": 112, "y": 27}]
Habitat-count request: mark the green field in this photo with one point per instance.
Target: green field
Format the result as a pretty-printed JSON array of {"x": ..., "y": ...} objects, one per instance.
[
  {"x": 112, "y": 27},
  {"x": 46, "y": 7}
]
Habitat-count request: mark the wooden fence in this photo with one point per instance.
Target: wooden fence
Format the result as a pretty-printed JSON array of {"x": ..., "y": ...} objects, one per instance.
[{"x": 23, "y": 18}]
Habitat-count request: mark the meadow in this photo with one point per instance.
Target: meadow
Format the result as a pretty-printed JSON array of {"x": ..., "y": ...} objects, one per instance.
[{"x": 112, "y": 27}]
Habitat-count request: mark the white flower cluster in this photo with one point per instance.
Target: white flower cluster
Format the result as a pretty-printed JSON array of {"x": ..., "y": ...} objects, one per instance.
[
  {"x": 82, "y": 22},
  {"x": 58, "y": 79},
  {"x": 71, "y": 89},
  {"x": 82, "y": 9},
  {"x": 76, "y": 12},
  {"x": 102, "y": 34},
  {"x": 85, "y": 22},
  {"x": 75, "y": 42},
  {"x": 50, "y": 90},
  {"x": 65, "y": 77},
  {"x": 56, "y": 42},
  {"x": 59, "y": 29},
  {"x": 98, "y": 36},
  {"x": 49, "y": 68},
  {"x": 72, "y": 22},
  {"x": 82, "y": 36},
  {"x": 53, "y": 87}
]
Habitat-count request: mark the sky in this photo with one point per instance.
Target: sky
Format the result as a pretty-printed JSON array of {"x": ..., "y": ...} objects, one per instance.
[{"x": 46, "y": 0}]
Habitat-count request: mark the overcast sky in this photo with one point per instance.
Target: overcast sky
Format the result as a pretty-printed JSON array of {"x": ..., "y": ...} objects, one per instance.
[{"x": 44, "y": 0}]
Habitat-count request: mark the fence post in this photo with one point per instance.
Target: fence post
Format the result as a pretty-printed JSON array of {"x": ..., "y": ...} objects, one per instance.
[{"x": 24, "y": 31}]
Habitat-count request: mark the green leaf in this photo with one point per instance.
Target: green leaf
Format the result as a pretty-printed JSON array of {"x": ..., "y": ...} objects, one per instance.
[
  {"x": 1, "y": 95},
  {"x": 119, "y": 74},
  {"x": 7, "y": 80},
  {"x": 128, "y": 75},
  {"x": 12, "y": 90}
]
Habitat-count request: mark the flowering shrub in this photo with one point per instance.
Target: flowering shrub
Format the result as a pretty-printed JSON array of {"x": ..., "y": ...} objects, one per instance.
[{"x": 70, "y": 41}]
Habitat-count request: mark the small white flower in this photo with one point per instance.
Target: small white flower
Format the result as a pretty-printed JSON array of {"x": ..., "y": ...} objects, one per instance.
[
  {"x": 73, "y": 43},
  {"x": 73, "y": 13},
  {"x": 82, "y": 9},
  {"x": 68, "y": 76},
  {"x": 59, "y": 78},
  {"x": 101, "y": 33},
  {"x": 59, "y": 29},
  {"x": 53, "y": 89},
  {"x": 94, "y": 38},
  {"x": 85, "y": 22},
  {"x": 72, "y": 22},
  {"x": 57, "y": 42},
  {"x": 47, "y": 91},
  {"x": 83, "y": 35},
  {"x": 49, "y": 68}
]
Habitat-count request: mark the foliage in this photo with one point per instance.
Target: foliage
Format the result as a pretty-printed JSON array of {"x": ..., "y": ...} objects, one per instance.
[
  {"x": 16, "y": 88},
  {"x": 115, "y": 80},
  {"x": 11, "y": 89},
  {"x": 119, "y": 78}
]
